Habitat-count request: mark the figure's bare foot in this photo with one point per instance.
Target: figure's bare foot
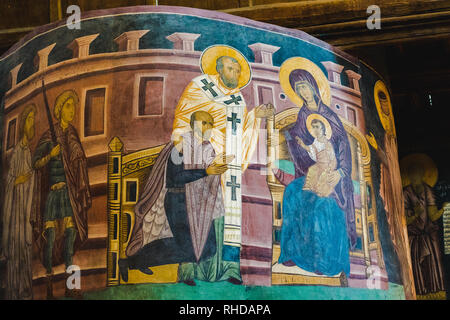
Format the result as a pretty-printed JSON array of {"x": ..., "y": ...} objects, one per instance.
[
  {"x": 289, "y": 263},
  {"x": 190, "y": 283},
  {"x": 234, "y": 280}
]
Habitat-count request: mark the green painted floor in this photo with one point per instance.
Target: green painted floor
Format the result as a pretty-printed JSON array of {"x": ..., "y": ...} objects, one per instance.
[{"x": 228, "y": 291}]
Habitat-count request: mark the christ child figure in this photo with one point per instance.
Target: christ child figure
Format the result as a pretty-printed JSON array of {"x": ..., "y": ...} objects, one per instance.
[{"x": 322, "y": 176}]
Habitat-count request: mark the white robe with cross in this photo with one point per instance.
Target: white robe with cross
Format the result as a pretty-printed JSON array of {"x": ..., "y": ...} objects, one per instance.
[
  {"x": 235, "y": 132},
  {"x": 17, "y": 230}
]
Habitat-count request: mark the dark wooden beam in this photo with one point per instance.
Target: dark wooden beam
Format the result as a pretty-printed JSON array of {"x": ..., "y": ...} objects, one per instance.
[
  {"x": 207, "y": 4},
  {"x": 393, "y": 30},
  {"x": 9, "y": 37},
  {"x": 23, "y": 13},
  {"x": 56, "y": 12},
  {"x": 342, "y": 23},
  {"x": 433, "y": 80}
]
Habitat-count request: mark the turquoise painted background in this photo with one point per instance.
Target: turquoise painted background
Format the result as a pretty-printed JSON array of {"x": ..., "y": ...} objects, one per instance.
[{"x": 227, "y": 291}]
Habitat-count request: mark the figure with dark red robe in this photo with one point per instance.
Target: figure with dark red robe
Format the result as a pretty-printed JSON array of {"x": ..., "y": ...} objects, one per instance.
[
  {"x": 60, "y": 218},
  {"x": 423, "y": 232}
]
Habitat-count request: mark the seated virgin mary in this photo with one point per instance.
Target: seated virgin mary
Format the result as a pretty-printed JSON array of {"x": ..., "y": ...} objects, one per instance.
[
  {"x": 318, "y": 228},
  {"x": 313, "y": 234}
]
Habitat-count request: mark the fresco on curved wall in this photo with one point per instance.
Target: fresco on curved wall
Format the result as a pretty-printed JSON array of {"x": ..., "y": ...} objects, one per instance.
[{"x": 204, "y": 155}]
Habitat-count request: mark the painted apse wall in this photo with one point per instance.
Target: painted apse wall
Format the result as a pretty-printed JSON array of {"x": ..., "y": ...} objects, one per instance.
[{"x": 129, "y": 68}]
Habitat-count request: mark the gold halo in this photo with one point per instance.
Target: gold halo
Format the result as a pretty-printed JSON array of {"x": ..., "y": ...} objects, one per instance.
[
  {"x": 311, "y": 117},
  {"x": 212, "y": 53},
  {"x": 380, "y": 86},
  {"x": 299, "y": 63},
  {"x": 430, "y": 170},
  {"x": 62, "y": 99}
]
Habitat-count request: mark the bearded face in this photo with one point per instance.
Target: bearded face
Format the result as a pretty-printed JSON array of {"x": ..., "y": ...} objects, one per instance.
[{"x": 230, "y": 73}]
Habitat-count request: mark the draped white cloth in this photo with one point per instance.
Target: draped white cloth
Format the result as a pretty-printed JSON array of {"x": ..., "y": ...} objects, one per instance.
[{"x": 17, "y": 230}]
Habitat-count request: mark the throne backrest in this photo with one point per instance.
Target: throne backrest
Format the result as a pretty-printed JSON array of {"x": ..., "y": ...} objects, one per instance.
[{"x": 127, "y": 174}]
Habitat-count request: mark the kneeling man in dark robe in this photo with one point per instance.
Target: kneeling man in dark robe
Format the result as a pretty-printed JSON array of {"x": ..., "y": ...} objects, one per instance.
[{"x": 182, "y": 197}]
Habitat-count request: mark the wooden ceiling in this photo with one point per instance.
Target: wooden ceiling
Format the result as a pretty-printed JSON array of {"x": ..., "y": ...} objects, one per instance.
[{"x": 338, "y": 22}]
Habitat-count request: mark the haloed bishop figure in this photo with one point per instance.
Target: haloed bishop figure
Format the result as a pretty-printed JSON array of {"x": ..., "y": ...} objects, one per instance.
[{"x": 235, "y": 133}]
